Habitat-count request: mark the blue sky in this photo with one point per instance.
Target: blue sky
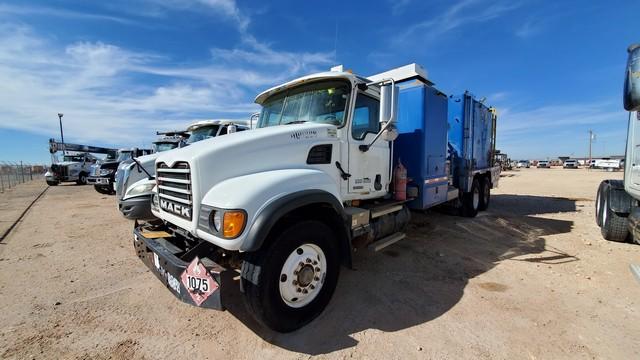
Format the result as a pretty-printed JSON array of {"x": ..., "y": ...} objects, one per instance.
[{"x": 120, "y": 70}]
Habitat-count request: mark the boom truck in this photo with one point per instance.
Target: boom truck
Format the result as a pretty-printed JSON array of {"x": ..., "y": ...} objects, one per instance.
[
  {"x": 76, "y": 163},
  {"x": 617, "y": 208},
  {"x": 336, "y": 163},
  {"x": 136, "y": 179}
]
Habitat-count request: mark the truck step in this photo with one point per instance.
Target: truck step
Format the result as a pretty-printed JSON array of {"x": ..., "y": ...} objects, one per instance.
[
  {"x": 384, "y": 210},
  {"x": 384, "y": 242}
]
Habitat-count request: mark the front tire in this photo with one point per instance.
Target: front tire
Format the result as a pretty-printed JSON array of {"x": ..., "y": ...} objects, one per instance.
[
  {"x": 82, "y": 179},
  {"x": 52, "y": 183},
  {"x": 290, "y": 281}
]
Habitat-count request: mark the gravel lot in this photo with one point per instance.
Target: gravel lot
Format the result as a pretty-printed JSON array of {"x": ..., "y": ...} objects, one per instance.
[{"x": 530, "y": 278}]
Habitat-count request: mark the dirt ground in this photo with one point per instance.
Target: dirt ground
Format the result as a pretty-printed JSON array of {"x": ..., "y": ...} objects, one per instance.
[{"x": 530, "y": 278}]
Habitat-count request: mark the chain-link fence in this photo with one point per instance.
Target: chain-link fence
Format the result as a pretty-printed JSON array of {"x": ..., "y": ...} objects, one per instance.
[{"x": 13, "y": 173}]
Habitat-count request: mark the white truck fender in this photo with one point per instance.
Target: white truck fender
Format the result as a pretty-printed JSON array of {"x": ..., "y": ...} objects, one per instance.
[{"x": 259, "y": 193}]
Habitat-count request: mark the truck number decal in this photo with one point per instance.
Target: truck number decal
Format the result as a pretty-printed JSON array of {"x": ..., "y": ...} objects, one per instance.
[{"x": 198, "y": 284}]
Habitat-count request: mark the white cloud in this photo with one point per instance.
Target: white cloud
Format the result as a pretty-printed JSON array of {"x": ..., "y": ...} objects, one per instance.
[
  {"x": 461, "y": 13},
  {"x": 228, "y": 8},
  {"x": 110, "y": 94},
  {"x": 555, "y": 130},
  {"x": 57, "y": 12}
]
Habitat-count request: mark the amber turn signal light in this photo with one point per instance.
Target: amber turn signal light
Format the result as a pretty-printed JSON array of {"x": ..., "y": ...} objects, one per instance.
[{"x": 233, "y": 223}]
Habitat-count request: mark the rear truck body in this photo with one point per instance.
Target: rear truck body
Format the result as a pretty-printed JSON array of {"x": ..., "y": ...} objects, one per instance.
[
  {"x": 617, "y": 208},
  {"x": 135, "y": 180},
  {"x": 323, "y": 174},
  {"x": 103, "y": 175}
]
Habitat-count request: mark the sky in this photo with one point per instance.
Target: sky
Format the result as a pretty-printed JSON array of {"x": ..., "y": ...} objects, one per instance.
[{"x": 120, "y": 70}]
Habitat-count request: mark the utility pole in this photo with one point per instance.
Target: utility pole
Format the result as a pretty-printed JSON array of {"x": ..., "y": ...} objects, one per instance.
[
  {"x": 590, "y": 141},
  {"x": 60, "y": 115}
]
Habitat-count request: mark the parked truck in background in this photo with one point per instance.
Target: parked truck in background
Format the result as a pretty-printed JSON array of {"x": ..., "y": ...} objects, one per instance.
[
  {"x": 335, "y": 164},
  {"x": 76, "y": 163},
  {"x": 135, "y": 180},
  {"x": 617, "y": 211},
  {"x": 103, "y": 175}
]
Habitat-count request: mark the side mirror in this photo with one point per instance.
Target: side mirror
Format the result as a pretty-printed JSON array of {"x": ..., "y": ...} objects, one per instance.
[
  {"x": 632, "y": 79},
  {"x": 231, "y": 128},
  {"x": 388, "y": 102},
  {"x": 390, "y": 133}
]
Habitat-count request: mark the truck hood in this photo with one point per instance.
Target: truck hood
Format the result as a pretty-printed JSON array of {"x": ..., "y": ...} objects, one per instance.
[
  {"x": 148, "y": 162},
  {"x": 248, "y": 152}
]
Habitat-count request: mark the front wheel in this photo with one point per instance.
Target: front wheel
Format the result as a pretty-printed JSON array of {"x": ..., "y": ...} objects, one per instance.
[
  {"x": 82, "y": 179},
  {"x": 52, "y": 183},
  {"x": 290, "y": 281}
]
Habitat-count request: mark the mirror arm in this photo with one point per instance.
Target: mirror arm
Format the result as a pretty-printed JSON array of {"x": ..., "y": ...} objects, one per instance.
[{"x": 365, "y": 148}]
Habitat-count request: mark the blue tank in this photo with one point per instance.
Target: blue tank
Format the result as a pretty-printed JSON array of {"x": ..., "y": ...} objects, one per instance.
[{"x": 443, "y": 141}]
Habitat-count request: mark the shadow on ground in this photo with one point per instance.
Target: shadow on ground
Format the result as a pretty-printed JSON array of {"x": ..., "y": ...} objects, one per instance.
[{"x": 424, "y": 276}]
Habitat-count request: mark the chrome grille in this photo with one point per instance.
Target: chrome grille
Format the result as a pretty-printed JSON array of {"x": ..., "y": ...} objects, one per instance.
[{"x": 174, "y": 185}]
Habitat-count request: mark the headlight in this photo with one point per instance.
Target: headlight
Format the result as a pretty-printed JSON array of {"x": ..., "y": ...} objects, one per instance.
[
  {"x": 105, "y": 172},
  {"x": 140, "y": 189},
  {"x": 217, "y": 220},
  {"x": 227, "y": 224}
]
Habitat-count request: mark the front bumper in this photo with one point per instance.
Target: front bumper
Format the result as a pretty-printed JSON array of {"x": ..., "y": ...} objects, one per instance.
[
  {"x": 170, "y": 264},
  {"x": 137, "y": 208},
  {"x": 99, "y": 180}
]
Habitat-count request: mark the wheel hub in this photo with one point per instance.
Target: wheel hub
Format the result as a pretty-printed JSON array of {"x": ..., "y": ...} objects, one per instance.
[
  {"x": 306, "y": 275},
  {"x": 302, "y": 275}
]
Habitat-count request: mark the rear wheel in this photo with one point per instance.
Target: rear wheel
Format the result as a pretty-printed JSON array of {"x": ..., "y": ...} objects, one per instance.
[
  {"x": 485, "y": 194},
  {"x": 614, "y": 227},
  {"x": 471, "y": 200},
  {"x": 288, "y": 283}
]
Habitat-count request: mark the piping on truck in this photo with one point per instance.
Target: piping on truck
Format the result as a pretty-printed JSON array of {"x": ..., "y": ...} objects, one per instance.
[{"x": 286, "y": 204}]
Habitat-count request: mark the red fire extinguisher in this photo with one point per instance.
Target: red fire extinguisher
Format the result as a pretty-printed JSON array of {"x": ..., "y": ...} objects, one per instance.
[{"x": 400, "y": 182}]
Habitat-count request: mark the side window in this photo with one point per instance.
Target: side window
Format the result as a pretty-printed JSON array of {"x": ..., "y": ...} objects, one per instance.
[{"x": 365, "y": 117}]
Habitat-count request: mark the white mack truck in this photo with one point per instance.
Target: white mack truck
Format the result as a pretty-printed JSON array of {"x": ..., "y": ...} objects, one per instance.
[{"x": 286, "y": 204}]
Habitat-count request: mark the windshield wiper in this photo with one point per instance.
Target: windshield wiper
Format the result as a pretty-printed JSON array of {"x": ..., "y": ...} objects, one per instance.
[{"x": 296, "y": 122}]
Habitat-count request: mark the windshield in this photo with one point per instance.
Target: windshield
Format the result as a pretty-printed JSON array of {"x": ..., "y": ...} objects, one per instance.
[
  {"x": 160, "y": 147},
  {"x": 203, "y": 133},
  {"x": 74, "y": 158},
  {"x": 324, "y": 102},
  {"x": 124, "y": 155}
]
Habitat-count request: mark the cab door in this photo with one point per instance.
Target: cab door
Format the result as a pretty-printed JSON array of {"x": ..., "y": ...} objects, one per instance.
[
  {"x": 369, "y": 170},
  {"x": 632, "y": 158}
]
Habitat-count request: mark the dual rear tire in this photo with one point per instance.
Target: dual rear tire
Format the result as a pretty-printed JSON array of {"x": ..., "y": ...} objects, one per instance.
[
  {"x": 613, "y": 226},
  {"x": 477, "y": 199}
]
